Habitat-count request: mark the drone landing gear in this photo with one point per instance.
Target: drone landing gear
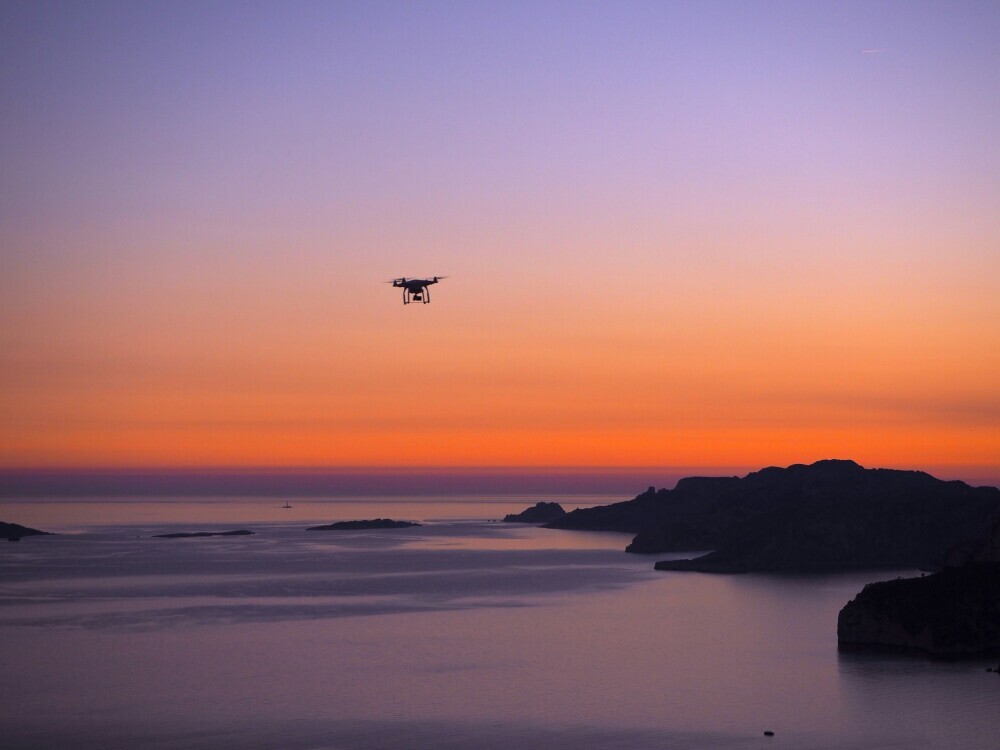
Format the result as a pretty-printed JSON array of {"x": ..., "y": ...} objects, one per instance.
[{"x": 423, "y": 295}]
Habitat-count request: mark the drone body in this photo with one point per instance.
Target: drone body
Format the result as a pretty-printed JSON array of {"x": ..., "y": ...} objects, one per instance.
[{"x": 415, "y": 289}]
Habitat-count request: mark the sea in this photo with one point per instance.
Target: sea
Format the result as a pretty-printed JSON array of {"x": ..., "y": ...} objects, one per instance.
[{"x": 463, "y": 632}]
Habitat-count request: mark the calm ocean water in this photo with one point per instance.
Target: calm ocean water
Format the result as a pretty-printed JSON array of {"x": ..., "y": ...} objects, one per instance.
[{"x": 462, "y": 633}]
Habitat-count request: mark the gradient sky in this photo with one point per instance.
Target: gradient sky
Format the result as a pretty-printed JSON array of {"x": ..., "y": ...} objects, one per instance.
[{"x": 677, "y": 234}]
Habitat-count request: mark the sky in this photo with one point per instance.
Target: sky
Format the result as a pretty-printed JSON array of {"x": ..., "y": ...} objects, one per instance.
[{"x": 698, "y": 234}]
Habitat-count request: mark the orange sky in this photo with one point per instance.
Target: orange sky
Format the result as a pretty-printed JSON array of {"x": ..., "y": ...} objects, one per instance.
[
  {"x": 767, "y": 250},
  {"x": 688, "y": 363}
]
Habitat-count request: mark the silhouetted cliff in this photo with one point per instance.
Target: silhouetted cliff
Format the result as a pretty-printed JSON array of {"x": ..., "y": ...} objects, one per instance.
[
  {"x": 951, "y": 613},
  {"x": 954, "y": 612},
  {"x": 830, "y": 515}
]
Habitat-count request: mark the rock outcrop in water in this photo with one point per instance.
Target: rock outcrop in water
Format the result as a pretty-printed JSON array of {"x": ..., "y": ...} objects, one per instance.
[
  {"x": 377, "y": 523},
  {"x": 13, "y": 532},
  {"x": 954, "y": 612},
  {"x": 830, "y": 515},
  {"x": 193, "y": 534},
  {"x": 538, "y": 513}
]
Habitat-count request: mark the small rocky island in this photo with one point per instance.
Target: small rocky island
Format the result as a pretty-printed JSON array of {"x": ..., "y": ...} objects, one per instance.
[
  {"x": 194, "y": 534},
  {"x": 13, "y": 532},
  {"x": 954, "y": 612},
  {"x": 538, "y": 513},
  {"x": 377, "y": 523}
]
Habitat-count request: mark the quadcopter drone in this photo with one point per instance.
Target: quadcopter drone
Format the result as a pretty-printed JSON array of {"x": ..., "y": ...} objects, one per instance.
[{"x": 415, "y": 289}]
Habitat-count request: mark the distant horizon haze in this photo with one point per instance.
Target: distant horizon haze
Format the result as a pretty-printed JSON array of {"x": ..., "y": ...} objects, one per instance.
[{"x": 380, "y": 481}]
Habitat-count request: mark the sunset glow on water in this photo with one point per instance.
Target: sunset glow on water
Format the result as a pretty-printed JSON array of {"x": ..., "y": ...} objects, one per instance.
[{"x": 459, "y": 633}]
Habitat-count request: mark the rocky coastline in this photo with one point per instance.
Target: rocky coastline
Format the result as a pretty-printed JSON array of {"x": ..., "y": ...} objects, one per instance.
[
  {"x": 952, "y": 613},
  {"x": 827, "y": 516},
  {"x": 836, "y": 515}
]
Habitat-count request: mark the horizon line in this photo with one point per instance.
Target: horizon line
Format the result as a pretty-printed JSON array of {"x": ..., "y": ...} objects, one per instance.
[{"x": 370, "y": 481}]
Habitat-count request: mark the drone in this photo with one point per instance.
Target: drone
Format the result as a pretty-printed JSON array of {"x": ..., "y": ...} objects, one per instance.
[{"x": 415, "y": 289}]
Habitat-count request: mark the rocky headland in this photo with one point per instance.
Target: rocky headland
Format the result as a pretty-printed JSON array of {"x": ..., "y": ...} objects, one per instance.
[
  {"x": 954, "y": 612},
  {"x": 837, "y": 515},
  {"x": 13, "y": 532},
  {"x": 377, "y": 523},
  {"x": 826, "y": 516},
  {"x": 538, "y": 513}
]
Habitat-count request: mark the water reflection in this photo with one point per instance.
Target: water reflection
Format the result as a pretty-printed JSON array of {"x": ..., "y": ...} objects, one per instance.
[
  {"x": 931, "y": 701},
  {"x": 510, "y": 536},
  {"x": 447, "y": 635}
]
